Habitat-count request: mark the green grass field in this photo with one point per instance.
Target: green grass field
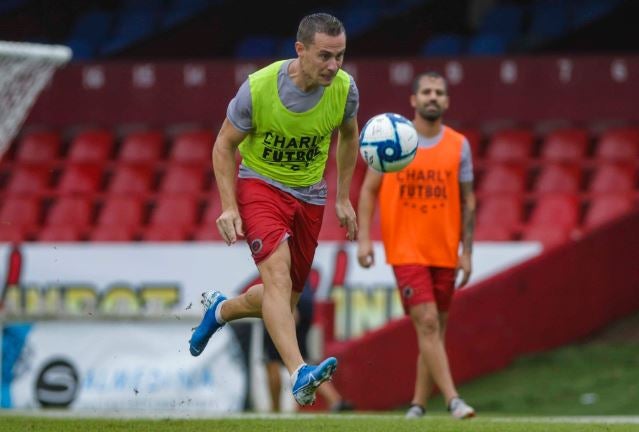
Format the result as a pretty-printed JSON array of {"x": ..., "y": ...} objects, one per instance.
[{"x": 308, "y": 423}]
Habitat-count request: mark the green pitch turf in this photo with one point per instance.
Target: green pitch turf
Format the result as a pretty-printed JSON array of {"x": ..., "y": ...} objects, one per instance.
[{"x": 324, "y": 423}]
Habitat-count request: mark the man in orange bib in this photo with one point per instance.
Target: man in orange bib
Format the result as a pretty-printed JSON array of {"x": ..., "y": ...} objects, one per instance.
[{"x": 427, "y": 210}]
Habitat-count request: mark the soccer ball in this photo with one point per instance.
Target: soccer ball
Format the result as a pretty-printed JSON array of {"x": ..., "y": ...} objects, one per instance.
[{"x": 388, "y": 142}]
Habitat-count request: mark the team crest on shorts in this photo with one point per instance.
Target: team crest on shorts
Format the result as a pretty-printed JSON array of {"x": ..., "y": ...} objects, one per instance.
[
  {"x": 256, "y": 246},
  {"x": 407, "y": 291}
]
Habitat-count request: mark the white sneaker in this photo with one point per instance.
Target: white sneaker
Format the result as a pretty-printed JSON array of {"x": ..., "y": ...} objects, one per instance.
[
  {"x": 460, "y": 409},
  {"x": 415, "y": 411}
]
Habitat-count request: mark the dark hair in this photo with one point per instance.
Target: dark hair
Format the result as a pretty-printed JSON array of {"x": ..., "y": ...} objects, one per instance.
[
  {"x": 318, "y": 23},
  {"x": 429, "y": 74}
]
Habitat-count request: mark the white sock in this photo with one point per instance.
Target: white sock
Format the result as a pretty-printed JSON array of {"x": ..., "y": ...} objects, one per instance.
[
  {"x": 294, "y": 374},
  {"x": 218, "y": 313}
]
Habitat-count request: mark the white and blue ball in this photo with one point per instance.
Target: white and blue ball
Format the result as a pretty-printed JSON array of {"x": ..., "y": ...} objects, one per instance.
[{"x": 388, "y": 142}]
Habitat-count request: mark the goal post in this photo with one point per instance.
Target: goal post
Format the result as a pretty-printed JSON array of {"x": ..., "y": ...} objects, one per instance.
[{"x": 25, "y": 68}]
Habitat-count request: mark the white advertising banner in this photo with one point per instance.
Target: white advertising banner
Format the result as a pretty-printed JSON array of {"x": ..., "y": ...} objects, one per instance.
[{"x": 120, "y": 366}]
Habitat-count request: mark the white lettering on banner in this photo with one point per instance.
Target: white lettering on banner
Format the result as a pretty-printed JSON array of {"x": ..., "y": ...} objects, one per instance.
[
  {"x": 93, "y": 77},
  {"x": 508, "y": 72},
  {"x": 565, "y": 67},
  {"x": 242, "y": 72},
  {"x": 128, "y": 366},
  {"x": 401, "y": 73},
  {"x": 454, "y": 72},
  {"x": 143, "y": 76},
  {"x": 619, "y": 70},
  {"x": 194, "y": 75}
]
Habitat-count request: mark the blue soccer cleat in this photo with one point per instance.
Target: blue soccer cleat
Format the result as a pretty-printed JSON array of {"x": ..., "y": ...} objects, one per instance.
[
  {"x": 209, "y": 325},
  {"x": 309, "y": 379}
]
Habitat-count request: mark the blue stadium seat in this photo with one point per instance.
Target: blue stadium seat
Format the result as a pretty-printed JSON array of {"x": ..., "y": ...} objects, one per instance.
[
  {"x": 586, "y": 11},
  {"x": 178, "y": 11},
  {"x": 256, "y": 47},
  {"x": 130, "y": 27},
  {"x": 487, "y": 44},
  {"x": 506, "y": 20},
  {"x": 444, "y": 45},
  {"x": 549, "y": 19}
]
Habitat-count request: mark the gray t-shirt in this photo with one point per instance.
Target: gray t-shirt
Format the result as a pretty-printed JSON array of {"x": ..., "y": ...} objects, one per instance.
[
  {"x": 240, "y": 114},
  {"x": 466, "y": 162}
]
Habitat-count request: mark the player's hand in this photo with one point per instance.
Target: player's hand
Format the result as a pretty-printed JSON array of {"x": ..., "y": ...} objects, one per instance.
[
  {"x": 465, "y": 265},
  {"x": 229, "y": 224},
  {"x": 347, "y": 219},
  {"x": 365, "y": 254}
]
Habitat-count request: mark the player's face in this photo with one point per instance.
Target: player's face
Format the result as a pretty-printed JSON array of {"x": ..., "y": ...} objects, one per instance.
[
  {"x": 431, "y": 99},
  {"x": 321, "y": 59}
]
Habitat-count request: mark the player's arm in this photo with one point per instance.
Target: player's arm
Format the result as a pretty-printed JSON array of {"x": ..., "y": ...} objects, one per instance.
[
  {"x": 229, "y": 222},
  {"x": 347, "y": 150},
  {"x": 468, "y": 204},
  {"x": 365, "y": 211}
]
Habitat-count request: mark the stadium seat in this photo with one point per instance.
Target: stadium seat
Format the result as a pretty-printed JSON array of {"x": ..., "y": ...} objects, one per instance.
[
  {"x": 502, "y": 179},
  {"x": 29, "y": 179},
  {"x": 504, "y": 19},
  {"x": 549, "y": 20},
  {"x": 12, "y": 234},
  {"x": 560, "y": 210},
  {"x": 142, "y": 147},
  {"x": 178, "y": 211},
  {"x": 112, "y": 233},
  {"x": 20, "y": 212},
  {"x": 610, "y": 178},
  {"x": 70, "y": 210},
  {"x": 39, "y": 147},
  {"x": 605, "y": 208},
  {"x": 131, "y": 180},
  {"x": 85, "y": 178},
  {"x": 165, "y": 233},
  {"x": 510, "y": 145},
  {"x": 447, "y": 44},
  {"x": 193, "y": 146},
  {"x": 547, "y": 235},
  {"x": 95, "y": 145},
  {"x": 504, "y": 211},
  {"x": 474, "y": 137},
  {"x": 565, "y": 145},
  {"x": 487, "y": 44},
  {"x": 492, "y": 233},
  {"x": 213, "y": 208},
  {"x": 207, "y": 232},
  {"x": 125, "y": 211},
  {"x": 60, "y": 233},
  {"x": 182, "y": 179},
  {"x": 619, "y": 144},
  {"x": 555, "y": 177}
]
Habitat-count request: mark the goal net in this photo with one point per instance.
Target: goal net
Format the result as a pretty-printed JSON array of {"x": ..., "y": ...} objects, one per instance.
[{"x": 25, "y": 68}]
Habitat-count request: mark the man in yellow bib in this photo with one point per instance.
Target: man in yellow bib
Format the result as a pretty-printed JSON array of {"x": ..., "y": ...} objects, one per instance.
[
  {"x": 282, "y": 119},
  {"x": 427, "y": 210}
]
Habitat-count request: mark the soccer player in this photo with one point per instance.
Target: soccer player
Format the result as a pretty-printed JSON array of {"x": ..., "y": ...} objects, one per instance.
[
  {"x": 282, "y": 119},
  {"x": 273, "y": 361},
  {"x": 427, "y": 210}
]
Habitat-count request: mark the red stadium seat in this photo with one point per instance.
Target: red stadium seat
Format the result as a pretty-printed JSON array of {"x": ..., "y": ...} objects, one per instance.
[
  {"x": 556, "y": 177},
  {"x": 20, "y": 212},
  {"x": 131, "y": 180},
  {"x": 124, "y": 211},
  {"x": 39, "y": 147},
  {"x": 502, "y": 179},
  {"x": 565, "y": 145},
  {"x": 605, "y": 208},
  {"x": 207, "y": 232},
  {"x": 510, "y": 145},
  {"x": 70, "y": 210},
  {"x": 178, "y": 211},
  {"x": 503, "y": 211},
  {"x": 12, "y": 234},
  {"x": 183, "y": 179},
  {"x": 193, "y": 146},
  {"x": 547, "y": 235},
  {"x": 492, "y": 233},
  {"x": 60, "y": 233},
  {"x": 112, "y": 233},
  {"x": 29, "y": 179},
  {"x": 213, "y": 207},
  {"x": 142, "y": 147},
  {"x": 85, "y": 178},
  {"x": 165, "y": 233},
  {"x": 474, "y": 138},
  {"x": 95, "y": 145},
  {"x": 619, "y": 144},
  {"x": 560, "y": 210},
  {"x": 610, "y": 178}
]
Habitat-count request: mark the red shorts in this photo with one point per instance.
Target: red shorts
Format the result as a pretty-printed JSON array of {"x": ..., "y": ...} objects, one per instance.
[
  {"x": 423, "y": 284},
  {"x": 271, "y": 216}
]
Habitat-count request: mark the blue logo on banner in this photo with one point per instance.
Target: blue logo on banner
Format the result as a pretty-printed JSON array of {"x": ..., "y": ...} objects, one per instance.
[{"x": 14, "y": 338}]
